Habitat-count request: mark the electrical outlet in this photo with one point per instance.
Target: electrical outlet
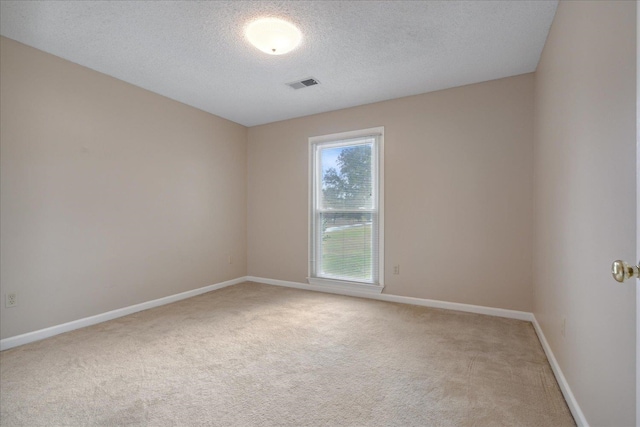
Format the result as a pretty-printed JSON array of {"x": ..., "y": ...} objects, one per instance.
[
  {"x": 11, "y": 300},
  {"x": 564, "y": 327},
  {"x": 396, "y": 269},
  {"x": 230, "y": 259}
]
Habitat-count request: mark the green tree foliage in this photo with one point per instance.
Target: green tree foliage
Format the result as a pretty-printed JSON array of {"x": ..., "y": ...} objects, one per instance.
[{"x": 349, "y": 186}]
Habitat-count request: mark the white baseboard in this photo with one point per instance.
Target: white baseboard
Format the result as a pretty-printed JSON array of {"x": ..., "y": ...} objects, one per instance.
[
  {"x": 499, "y": 312},
  {"x": 577, "y": 413},
  {"x": 17, "y": 340}
]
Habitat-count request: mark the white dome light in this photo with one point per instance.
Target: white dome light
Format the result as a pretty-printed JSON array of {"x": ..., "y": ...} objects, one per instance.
[{"x": 273, "y": 36}]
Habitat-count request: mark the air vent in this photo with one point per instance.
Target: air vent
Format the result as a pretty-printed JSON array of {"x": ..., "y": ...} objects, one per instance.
[{"x": 310, "y": 81}]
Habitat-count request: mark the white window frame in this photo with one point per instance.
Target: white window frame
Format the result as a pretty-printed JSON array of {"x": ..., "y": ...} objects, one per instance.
[{"x": 338, "y": 285}]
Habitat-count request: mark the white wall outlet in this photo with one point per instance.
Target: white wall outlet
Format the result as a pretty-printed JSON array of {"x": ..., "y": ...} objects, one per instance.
[
  {"x": 11, "y": 300},
  {"x": 230, "y": 258},
  {"x": 563, "y": 330},
  {"x": 396, "y": 269}
]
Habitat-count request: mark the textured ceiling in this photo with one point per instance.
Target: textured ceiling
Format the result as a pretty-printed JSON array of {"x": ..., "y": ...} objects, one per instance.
[{"x": 361, "y": 51}]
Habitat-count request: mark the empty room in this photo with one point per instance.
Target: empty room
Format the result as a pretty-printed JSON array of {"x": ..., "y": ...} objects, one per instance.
[{"x": 319, "y": 213}]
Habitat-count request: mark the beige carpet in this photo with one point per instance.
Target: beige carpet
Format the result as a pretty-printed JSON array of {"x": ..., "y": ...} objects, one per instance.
[{"x": 257, "y": 355}]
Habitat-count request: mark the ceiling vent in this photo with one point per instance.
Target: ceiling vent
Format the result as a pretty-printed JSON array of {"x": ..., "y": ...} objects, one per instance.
[{"x": 310, "y": 81}]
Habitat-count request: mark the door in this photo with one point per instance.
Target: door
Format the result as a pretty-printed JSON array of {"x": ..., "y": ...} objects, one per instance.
[{"x": 621, "y": 271}]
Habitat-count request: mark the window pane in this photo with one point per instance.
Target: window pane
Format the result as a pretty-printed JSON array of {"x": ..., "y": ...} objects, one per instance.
[
  {"x": 347, "y": 245},
  {"x": 346, "y": 177}
]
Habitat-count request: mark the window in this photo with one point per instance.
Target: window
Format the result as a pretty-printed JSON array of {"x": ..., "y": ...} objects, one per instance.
[{"x": 346, "y": 216}]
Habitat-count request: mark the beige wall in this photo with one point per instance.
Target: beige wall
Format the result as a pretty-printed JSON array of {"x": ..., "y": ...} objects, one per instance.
[
  {"x": 110, "y": 195},
  {"x": 585, "y": 212},
  {"x": 458, "y": 189}
]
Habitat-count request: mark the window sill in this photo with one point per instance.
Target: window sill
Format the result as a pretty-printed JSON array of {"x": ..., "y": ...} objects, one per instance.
[{"x": 339, "y": 285}]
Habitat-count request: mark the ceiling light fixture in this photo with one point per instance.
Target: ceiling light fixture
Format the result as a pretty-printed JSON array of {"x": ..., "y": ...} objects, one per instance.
[{"x": 273, "y": 36}]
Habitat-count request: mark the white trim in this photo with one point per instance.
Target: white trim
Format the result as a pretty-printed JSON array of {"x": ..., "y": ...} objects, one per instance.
[
  {"x": 468, "y": 308},
  {"x": 377, "y": 131},
  {"x": 578, "y": 416},
  {"x": 381, "y": 208},
  {"x": 29, "y": 337},
  {"x": 339, "y": 139},
  {"x": 498, "y": 312},
  {"x": 341, "y": 284},
  {"x": 574, "y": 407},
  {"x": 637, "y": 211}
]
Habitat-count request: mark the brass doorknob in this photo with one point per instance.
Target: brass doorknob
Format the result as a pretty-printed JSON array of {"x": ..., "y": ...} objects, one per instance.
[{"x": 622, "y": 271}]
